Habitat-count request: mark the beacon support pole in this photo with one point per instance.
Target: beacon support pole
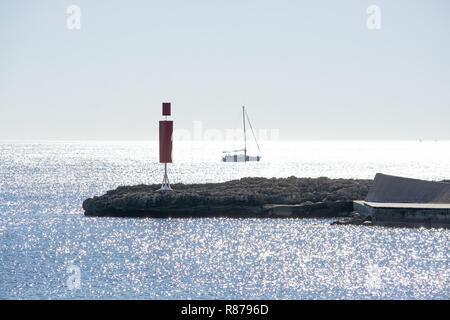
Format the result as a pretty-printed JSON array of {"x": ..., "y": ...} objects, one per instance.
[
  {"x": 245, "y": 134},
  {"x": 165, "y": 144},
  {"x": 165, "y": 183}
]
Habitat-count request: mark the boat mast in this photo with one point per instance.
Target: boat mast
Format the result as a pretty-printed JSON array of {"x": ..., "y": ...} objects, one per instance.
[
  {"x": 253, "y": 132},
  {"x": 245, "y": 136}
]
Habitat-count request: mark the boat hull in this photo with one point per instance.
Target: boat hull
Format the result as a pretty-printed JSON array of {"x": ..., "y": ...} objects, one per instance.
[{"x": 239, "y": 158}]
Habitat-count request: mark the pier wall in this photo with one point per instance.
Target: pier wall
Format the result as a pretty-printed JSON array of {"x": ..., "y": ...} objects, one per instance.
[{"x": 393, "y": 214}]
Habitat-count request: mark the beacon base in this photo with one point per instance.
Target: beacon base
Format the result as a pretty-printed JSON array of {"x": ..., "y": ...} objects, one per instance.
[{"x": 165, "y": 186}]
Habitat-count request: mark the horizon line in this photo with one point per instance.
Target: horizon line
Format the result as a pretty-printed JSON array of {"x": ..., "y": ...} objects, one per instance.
[{"x": 191, "y": 140}]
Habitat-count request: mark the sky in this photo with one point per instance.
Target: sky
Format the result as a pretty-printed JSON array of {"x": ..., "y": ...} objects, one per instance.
[{"x": 312, "y": 70}]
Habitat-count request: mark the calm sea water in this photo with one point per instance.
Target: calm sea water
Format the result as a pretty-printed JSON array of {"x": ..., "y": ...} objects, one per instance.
[{"x": 46, "y": 242}]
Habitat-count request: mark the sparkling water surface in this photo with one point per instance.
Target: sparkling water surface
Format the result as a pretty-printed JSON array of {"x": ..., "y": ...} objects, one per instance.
[{"x": 43, "y": 231}]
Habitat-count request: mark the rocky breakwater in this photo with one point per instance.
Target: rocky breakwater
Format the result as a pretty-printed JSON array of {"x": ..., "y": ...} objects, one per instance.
[{"x": 246, "y": 197}]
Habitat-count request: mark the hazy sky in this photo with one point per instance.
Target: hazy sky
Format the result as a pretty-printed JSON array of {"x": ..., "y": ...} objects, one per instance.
[{"x": 311, "y": 69}]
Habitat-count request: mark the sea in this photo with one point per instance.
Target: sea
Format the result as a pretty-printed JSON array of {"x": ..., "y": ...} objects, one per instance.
[{"x": 50, "y": 250}]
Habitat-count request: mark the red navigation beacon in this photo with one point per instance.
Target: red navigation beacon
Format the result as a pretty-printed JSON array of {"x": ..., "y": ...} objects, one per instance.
[
  {"x": 166, "y": 109},
  {"x": 165, "y": 143}
]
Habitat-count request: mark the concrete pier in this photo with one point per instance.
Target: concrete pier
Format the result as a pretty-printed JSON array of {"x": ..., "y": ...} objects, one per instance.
[
  {"x": 398, "y": 201},
  {"x": 404, "y": 214}
]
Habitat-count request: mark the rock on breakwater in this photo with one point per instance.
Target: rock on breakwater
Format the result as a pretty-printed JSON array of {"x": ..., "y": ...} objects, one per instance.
[{"x": 246, "y": 197}]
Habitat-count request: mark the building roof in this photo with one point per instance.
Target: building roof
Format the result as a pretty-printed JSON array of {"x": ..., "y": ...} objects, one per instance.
[{"x": 392, "y": 189}]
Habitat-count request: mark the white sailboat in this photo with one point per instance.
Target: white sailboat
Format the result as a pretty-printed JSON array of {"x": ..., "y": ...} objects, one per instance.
[{"x": 241, "y": 155}]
